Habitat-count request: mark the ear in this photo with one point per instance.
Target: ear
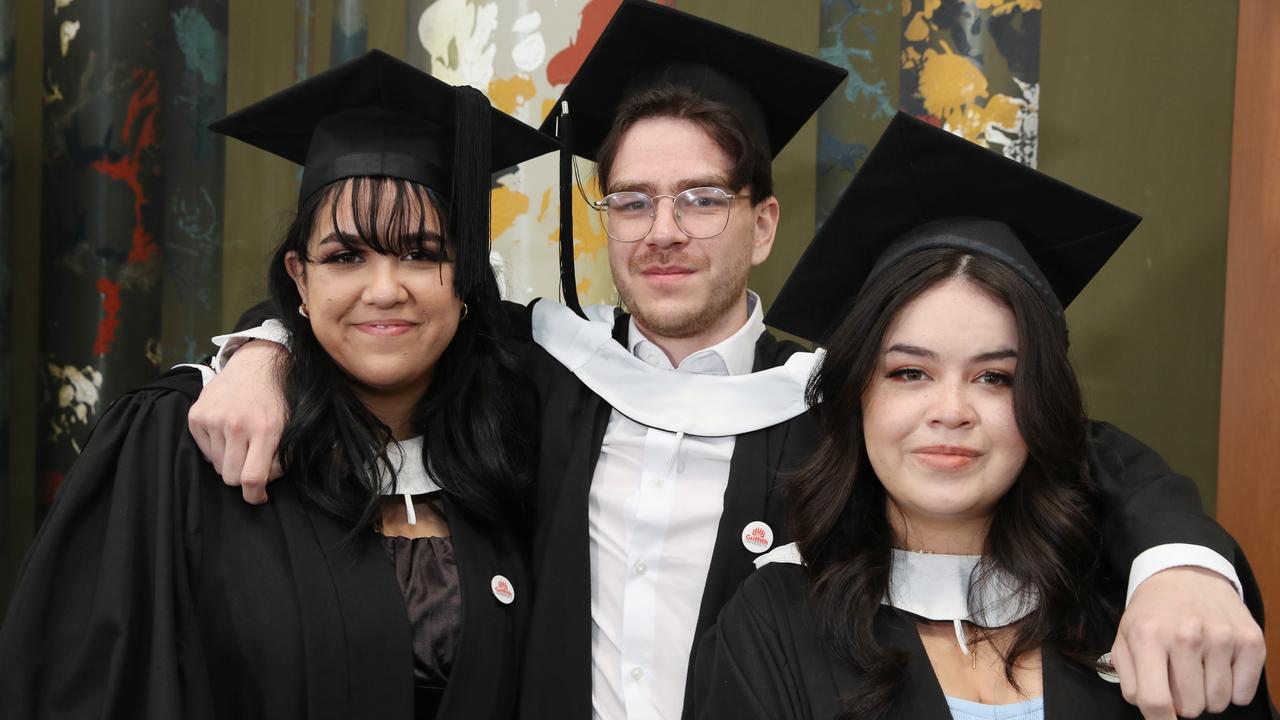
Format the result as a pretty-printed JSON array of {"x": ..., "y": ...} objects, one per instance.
[
  {"x": 766, "y": 227},
  {"x": 297, "y": 270}
]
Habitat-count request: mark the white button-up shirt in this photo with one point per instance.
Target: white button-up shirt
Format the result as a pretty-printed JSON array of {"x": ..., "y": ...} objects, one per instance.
[{"x": 655, "y": 504}]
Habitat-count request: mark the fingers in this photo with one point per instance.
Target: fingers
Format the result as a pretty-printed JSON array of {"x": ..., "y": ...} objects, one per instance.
[
  {"x": 235, "y": 448},
  {"x": 1219, "y": 647},
  {"x": 1151, "y": 672},
  {"x": 1187, "y": 669},
  {"x": 259, "y": 462},
  {"x": 1122, "y": 662},
  {"x": 1246, "y": 666}
]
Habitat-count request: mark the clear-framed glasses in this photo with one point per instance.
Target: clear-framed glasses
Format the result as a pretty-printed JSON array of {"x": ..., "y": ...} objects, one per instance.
[{"x": 700, "y": 212}]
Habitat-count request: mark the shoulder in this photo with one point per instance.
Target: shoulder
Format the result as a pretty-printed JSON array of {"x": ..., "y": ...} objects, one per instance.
[
  {"x": 771, "y": 352},
  {"x": 774, "y": 593}
]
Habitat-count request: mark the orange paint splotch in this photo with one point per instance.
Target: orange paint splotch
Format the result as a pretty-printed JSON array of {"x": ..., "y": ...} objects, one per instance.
[
  {"x": 508, "y": 94},
  {"x": 949, "y": 85},
  {"x": 595, "y": 16},
  {"x": 546, "y": 203},
  {"x": 589, "y": 237},
  {"x": 111, "y": 305},
  {"x": 506, "y": 206},
  {"x": 142, "y": 134}
]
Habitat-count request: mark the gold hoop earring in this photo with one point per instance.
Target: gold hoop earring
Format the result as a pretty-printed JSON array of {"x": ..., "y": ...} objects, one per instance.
[
  {"x": 464, "y": 311},
  {"x": 302, "y": 310}
]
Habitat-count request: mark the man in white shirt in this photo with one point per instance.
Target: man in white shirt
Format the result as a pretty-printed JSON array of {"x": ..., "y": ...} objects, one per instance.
[{"x": 644, "y": 530}]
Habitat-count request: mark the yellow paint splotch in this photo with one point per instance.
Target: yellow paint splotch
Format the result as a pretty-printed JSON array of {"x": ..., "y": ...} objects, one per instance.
[
  {"x": 918, "y": 29},
  {"x": 589, "y": 237},
  {"x": 1004, "y": 7},
  {"x": 508, "y": 94},
  {"x": 949, "y": 85},
  {"x": 546, "y": 203},
  {"x": 505, "y": 206},
  {"x": 547, "y": 105},
  {"x": 584, "y": 286}
]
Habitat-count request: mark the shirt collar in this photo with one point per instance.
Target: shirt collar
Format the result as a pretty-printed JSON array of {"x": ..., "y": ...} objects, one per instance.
[{"x": 735, "y": 355}]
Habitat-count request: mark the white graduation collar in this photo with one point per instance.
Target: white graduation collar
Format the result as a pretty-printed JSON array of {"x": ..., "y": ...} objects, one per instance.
[
  {"x": 411, "y": 476},
  {"x": 937, "y": 587},
  {"x": 680, "y": 402}
]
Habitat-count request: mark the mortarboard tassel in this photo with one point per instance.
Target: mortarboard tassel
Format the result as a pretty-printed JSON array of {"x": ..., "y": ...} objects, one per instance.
[
  {"x": 568, "y": 277},
  {"x": 472, "y": 181}
]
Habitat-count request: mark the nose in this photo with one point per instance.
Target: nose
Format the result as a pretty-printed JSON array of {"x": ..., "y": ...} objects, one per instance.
[
  {"x": 952, "y": 408},
  {"x": 385, "y": 287},
  {"x": 665, "y": 232}
]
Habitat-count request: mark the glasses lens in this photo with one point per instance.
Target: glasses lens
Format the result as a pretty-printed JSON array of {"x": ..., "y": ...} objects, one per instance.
[
  {"x": 702, "y": 212},
  {"x": 628, "y": 215}
]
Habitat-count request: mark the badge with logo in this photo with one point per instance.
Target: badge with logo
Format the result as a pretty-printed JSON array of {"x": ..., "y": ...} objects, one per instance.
[
  {"x": 757, "y": 537},
  {"x": 502, "y": 589},
  {"x": 1106, "y": 670}
]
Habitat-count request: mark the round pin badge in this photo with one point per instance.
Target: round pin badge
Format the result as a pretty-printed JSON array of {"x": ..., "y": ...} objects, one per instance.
[
  {"x": 1106, "y": 670},
  {"x": 502, "y": 589},
  {"x": 757, "y": 537}
]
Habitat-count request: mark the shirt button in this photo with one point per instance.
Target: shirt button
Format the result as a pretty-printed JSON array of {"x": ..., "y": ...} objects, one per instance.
[
  {"x": 636, "y": 673},
  {"x": 641, "y": 568}
]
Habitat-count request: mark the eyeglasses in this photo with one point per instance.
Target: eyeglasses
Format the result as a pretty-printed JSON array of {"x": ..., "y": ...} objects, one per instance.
[{"x": 700, "y": 212}]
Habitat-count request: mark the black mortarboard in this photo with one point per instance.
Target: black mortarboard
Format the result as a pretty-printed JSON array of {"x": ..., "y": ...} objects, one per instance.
[
  {"x": 774, "y": 89},
  {"x": 378, "y": 116},
  {"x": 922, "y": 187}
]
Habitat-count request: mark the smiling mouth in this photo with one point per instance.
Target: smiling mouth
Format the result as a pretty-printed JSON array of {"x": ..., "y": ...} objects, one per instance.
[
  {"x": 946, "y": 457},
  {"x": 385, "y": 329}
]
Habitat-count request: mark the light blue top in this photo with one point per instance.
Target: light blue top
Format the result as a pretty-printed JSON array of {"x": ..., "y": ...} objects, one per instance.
[{"x": 1032, "y": 709}]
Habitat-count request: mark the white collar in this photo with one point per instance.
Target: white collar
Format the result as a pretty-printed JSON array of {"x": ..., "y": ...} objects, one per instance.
[
  {"x": 679, "y": 402},
  {"x": 939, "y": 587},
  {"x": 735, "y": 355},
  {"x": 411, "y": 476}
]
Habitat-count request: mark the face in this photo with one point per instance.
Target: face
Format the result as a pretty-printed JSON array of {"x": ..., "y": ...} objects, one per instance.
[
  {"x": 938, "y": 414},
  {"x": 676, "y": 286},
  {"x": 384, "y": 319}
]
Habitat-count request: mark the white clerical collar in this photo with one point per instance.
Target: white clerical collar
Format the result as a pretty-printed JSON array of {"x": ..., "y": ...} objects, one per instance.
[
  {"x": 679, "y": 402},
  {"x": 939, "y": 587},
  {"x": 411, "y": 475},
  {"x": 735, "y": 355}
]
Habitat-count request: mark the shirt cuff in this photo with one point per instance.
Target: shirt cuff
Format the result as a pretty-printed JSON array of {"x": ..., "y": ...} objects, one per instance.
[
  {"x": 271, "y": 330},
  {"x": 1172, "y": 555},
  {"x": 206, "y": 372}
]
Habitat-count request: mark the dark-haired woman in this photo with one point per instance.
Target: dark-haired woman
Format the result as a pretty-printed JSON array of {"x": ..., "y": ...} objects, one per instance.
[
  {"x": 948, "y": 558},
  {"x": 387, "y": 579}
]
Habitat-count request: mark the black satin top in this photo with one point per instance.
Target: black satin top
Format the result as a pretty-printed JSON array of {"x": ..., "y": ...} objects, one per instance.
[{"x": 428, "y": 578}]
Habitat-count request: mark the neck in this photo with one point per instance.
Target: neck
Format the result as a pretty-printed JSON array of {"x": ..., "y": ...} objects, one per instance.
[
  {"x": 394, "y": 409},
  {"x": 944, "y": 535},
  {"x": 721, "y": 329}
]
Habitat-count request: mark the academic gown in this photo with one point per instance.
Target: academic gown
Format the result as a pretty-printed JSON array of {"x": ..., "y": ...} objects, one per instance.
[
  {"x": 765, "y": 660},
  {"x": 557, "y": 680},
  {"x": 153, "y": 590}
]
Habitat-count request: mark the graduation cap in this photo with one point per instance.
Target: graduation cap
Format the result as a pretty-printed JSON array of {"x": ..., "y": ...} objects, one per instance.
[
  {"x": 773, "y": 89},
  {"x": 379, "y": 116},
  {"x": 922, "y": 188}
]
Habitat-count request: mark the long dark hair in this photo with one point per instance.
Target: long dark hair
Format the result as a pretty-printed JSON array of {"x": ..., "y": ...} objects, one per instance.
[
  {"x": 471, "y": 415},
  {"x": 1044, "y": 531}
]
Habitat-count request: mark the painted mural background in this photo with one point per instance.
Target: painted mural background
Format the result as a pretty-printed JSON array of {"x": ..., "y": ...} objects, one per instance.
[
  {"x": 522, "y": 54},
  {"x": 970, "y": 66}
]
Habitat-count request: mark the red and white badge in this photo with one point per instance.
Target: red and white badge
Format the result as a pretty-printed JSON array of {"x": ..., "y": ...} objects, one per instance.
[
  {"x": 502, "y": 589},
  {"x": 757, "y": 537}
]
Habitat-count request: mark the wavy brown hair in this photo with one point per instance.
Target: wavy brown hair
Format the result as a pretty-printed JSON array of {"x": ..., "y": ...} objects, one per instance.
[{"x": 1044, "y": 532}]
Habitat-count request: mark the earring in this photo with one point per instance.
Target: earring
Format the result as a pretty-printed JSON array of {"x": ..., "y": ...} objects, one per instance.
[
  {"x": 302, "y": 310},
  {"x": 464, "y": 311}
]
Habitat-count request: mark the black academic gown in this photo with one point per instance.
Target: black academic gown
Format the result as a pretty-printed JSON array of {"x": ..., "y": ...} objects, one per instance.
[
  {"x": 154, "y": 591},
  {"x": 1144, "y": 504},
  {"x": 764, "y": 660},
  {"x": 557, "y": 680}
]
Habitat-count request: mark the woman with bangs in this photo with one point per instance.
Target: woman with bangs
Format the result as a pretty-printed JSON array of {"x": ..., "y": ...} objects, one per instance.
[
  {"x": 948, "y": 558},
  {"x": 388, "y": 576}
]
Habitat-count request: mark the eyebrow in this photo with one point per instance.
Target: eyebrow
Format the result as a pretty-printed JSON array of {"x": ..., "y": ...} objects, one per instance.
[
  {"x": 348, "y": 239},
  {"x": 917, "y": 351},
  {"x": 648, "y": 188}
]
